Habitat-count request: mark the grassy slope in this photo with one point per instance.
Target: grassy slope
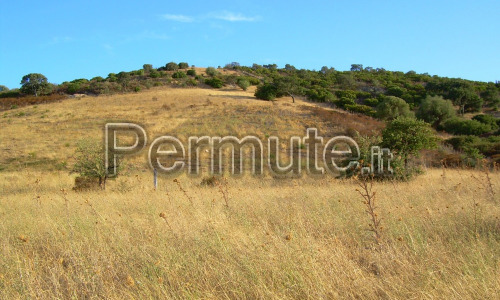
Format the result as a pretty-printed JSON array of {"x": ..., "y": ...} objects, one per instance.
[{"x": 302, "y": 238}]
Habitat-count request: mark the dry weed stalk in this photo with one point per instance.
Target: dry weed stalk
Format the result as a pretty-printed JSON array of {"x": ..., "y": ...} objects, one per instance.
[
  {"x": 223, "y": 188},
  {"x": 184, "y": 191},
  {"x": 366, "y": 191}
]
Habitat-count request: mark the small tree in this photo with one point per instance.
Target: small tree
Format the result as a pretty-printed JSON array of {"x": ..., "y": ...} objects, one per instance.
[
  {"x": 211, "y": 71},
  {"x": 435, "y": 110},
  {"x": 33, "y": 83},
  {"x": 288, "y": 85},
  {"x": 215, "y": 82},
  {"x": 90, "y": 162},
  {"x": 3, "y": 88},
  {"x": 183, "y": 65},
  {"x": 266, "y": 92},
  {"x": 243, "y": 83},
  {"x": 392, "y": 108},
  {"x": 407, "y": 136},
  {"x": 147, "y": 67},
  {"x": 172, "y": 66}
]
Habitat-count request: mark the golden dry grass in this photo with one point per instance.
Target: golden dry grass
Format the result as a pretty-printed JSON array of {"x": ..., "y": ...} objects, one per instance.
[
  {"x": 295, "y": 238},
  {"x": 300, "y": 238}
]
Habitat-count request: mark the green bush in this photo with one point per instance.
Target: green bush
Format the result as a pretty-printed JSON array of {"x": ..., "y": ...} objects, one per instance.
[
  {"x": 211, "y": 71},
  {"x": 392, "y": 108},
  {"x": 436, "y": 110},
  {"x": 407, "y": 136},
  {"x": 154, "y": 74},
  {"x": 179, "y": 74},
  {"x": 489, "y": 120},
  {"x": 266, "y": 92},
  {"x": 183, "y": 65},
  {"x": 343, "y": 102},
  {"x": 191, "y": 72},
  {"x": 320, "y": 94},
  {"x": 346, "y": 94},
  {"x": 243, "y": 83},
  {"x": 171, "y": 66},
  {"x": 465, "y": 127},
  {"x": 215, "y": 82},
  {"x": 363, "y": 109},
  {"x": 371, "y": 102}
]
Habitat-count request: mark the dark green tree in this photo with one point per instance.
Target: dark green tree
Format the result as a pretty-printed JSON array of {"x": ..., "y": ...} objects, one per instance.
[
  {"x": 211, "y": 71},
  {"x": 266, "y": 91},
  {"x": 407, "y": 136},
  {"x": 147, "y": 67},
  {"x": 172, "y": 66},
  {"x": 183, "y": 65},
  {"x": 33, "y": 83},
  {"x": 435, "y": 110},
  {"x": 392, "y": 108},
  {"x": 287, "y": 85}
]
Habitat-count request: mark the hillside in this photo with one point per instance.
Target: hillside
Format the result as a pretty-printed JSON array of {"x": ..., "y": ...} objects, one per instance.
[{"x": 232, "y": 237}]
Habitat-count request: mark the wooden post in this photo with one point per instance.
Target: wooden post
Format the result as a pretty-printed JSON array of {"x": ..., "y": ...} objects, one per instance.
[{"x": 155, "y": 180}]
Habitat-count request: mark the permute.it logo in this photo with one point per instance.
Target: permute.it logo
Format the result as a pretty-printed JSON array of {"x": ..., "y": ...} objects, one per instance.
[{"x": 339, "y": 154}]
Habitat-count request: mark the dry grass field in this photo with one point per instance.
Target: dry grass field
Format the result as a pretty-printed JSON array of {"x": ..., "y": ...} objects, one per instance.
[{"x": 304, "y": 238}]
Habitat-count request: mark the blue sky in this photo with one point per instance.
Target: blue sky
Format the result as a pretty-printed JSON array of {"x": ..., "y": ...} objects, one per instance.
[{"x": 66, "y": 40}]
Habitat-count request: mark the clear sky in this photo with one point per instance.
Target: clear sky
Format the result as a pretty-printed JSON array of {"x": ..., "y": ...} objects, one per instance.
[{"x": 66, "y": 40}]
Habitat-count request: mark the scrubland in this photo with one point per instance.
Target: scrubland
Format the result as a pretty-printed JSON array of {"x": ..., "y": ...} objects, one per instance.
[{"x": 248, "y": 237}]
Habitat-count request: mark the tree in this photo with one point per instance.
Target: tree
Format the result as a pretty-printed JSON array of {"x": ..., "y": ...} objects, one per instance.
[
  {"x": 356, "y": 67},
  {"x": 407, "y": 136},
  {"x": 3, "y": 88},
  {"x": 147, "y": 67},
  {"x": 183, "y": 65},
  {"x": 266, "y": 92},
  {"x": 211, "y": 71},
  {"x": 435, "y": 110},
  {"x": 215, "y": 82},
  {"x": 392, "y": 108},
  {"x": 172, "y": 66},
  {"x": 90, "y": 162},
  {"x": 466, "y": 99},
  {"x": 491, "y": 95},
  {"x": 243, "y": 83},
  {"x": 287, "y": 85},
  {"x": 33, "y": 83}
]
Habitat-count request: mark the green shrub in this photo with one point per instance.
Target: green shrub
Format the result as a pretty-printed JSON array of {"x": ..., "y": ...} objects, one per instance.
[
  {"x": 371, "y": 102},
  {"x": 215, "y": 82},
  {"x": 179, "y": 74},
  {"x": 266, "y": 92},
  {"x": 243, "y": 83},
  {"x": 211, "y": 71},
  {"x": 346, "y": 94},
  {"x": 320, "y": 94},
  {"x": 436, "y": 110},
  {"x": 489, "y": 120},
  {"x": 343, "y": 102},
  {"x": 392, "y": 108},
  {"x": 191, "y": 72},
  {"x": 183, "y": 65},
  {"x": 363, "y": 109},
  {"x": 407, "y": 136},
  {"x": 154, "y": 74},
  {"x": 465, "y": 127},
  {"x": 171, "y": 66}
]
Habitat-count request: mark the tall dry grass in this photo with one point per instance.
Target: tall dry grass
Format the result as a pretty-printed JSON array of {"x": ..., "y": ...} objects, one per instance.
[{"x": 261, "y": 238}]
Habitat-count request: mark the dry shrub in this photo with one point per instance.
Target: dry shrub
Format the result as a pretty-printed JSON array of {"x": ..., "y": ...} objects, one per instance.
[
  {"x": 83, "y": 183},
  {"x": 7, "y": 103}
]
